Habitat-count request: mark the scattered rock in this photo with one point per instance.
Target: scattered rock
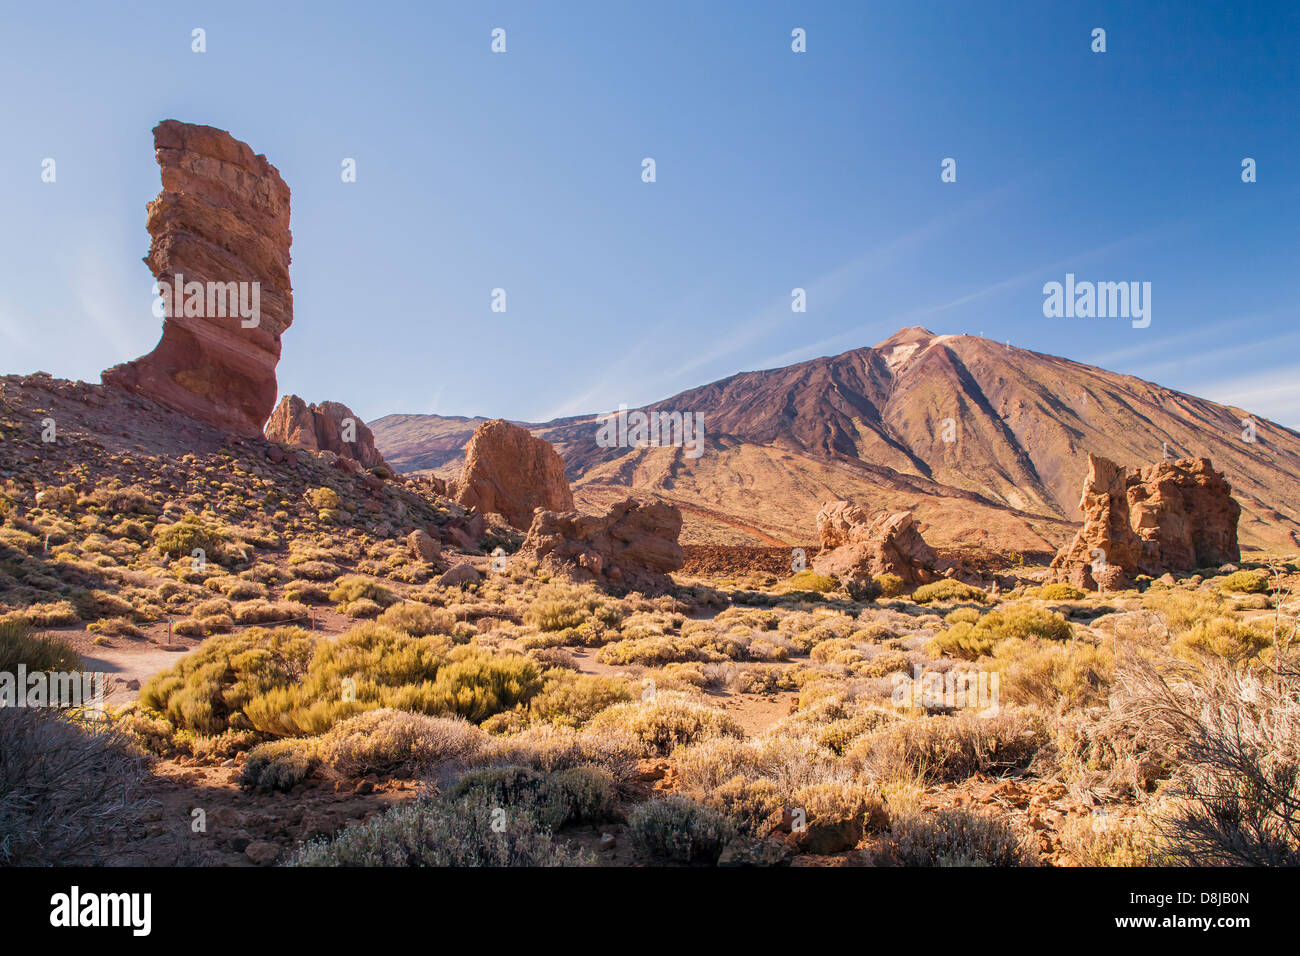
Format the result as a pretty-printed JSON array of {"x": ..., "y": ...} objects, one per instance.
[
  {"x": 261, "y": 852},
  {"x": 751, "y": 851},
  {"x": 423, "y": 546}
]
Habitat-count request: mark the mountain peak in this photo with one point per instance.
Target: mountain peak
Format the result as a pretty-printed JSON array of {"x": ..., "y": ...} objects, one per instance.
[{"x": 913, "y": 335}]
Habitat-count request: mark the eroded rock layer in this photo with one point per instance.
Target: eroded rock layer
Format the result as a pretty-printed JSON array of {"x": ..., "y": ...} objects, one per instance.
[
  {"x": 222, "y": 218},
  {"x": 1170, "y": 516}
]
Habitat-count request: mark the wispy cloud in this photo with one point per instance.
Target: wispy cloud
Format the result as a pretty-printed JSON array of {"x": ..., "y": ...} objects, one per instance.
[
  {"x": 774, "y": 316},
  {"x": 1274, "y": 394},
  {"x": 854, "y": 337}
]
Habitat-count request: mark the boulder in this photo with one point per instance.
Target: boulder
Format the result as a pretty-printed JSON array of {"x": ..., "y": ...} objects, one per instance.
[
  {"x": 423, "y": 546},
  {"x": 510, "y": 472},
  {"x": 856, "y": 547},
  {"x": 329, "y": 426},
  {"x": 1169, "y": 516},
  {"x": 461, "y": 575},
  {"x": 220, "y": 226},
  {"x": 633, "y": 546}
]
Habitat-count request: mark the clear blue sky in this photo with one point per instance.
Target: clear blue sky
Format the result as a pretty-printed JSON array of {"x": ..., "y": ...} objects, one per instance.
[{"x": 775, "y": 170}]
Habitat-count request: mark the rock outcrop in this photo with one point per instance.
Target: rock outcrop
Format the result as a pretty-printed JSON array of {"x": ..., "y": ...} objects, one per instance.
[
  {"x": 511, "y": 473},
  {"x": 1170, "y": 516},
  {"x": 220, "y": 252},
  {"x": 1105, "y": 551},
  {"x": 329, "y": 426},
  {"x": 634, "y": 546},
  {"x": 856, "y": 547},
  {"x": 1185, "y": 515}
]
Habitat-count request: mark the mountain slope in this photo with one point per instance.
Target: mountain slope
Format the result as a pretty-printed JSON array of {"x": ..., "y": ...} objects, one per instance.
[{"x": 987, "y": 443}]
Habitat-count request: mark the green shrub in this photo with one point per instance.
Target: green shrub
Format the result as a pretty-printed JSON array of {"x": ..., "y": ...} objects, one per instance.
[
  {"x": 1058, "y": 591},
  {"x": 208, "y": 690},
  {"x": 37, "y": 652},
  {"x": 970, "y": 641},
  {"x": 279, "y": 765},
  {"x": 1246, "y": 582},
  {"x": 355, "y": 587},
  {"x": 949, "y": 589},
  {"x": 562, "y": 606},
  {"x": 324, "y": 499},
  {"x": 677, "y": 830},
  {"x": 808, "y": 580},
  {"x": 891, "y": 585},
  {"x": 182, "y": 539}
]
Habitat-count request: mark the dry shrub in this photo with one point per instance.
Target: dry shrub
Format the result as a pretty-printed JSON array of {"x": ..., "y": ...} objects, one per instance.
[
  {"x": 65, "y": 788},
  {"x": 954, "y": 837},
  {"x": 552, "y": 747},
  {"x": 1106, "y": 840},
  {"x": 392, "y": 742},
  {"x": 951, "y": 748},
  {"x": 1053, "y": 676},
  {"x": 1234, "y": 737},
  {"x": 441, "y": 832},
  {"x": 677, "y": 830},
  {"x": 667, "y": 721},
  {"x": 417, "y": 619}
]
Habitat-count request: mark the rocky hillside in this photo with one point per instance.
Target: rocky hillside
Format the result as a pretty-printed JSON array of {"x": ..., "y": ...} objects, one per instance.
[{"x": 988, "y": 444}]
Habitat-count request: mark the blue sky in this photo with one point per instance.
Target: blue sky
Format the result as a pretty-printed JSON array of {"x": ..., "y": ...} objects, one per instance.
[{"x": 775, "y": 170}]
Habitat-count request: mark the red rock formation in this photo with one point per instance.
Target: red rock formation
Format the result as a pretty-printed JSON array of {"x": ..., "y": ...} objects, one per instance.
[
  {"x": 511, "y": 473},
  {"x": 1105, "y": 550},
  {"x": 1185, "y": 515},
  {"x": 222, "y": 217},
  {"x": 323, "y": 427},
  {"x": 633, "y": 546},
  {"x": 855, "y": 547},
  {"x": 1170, "y": 516}
]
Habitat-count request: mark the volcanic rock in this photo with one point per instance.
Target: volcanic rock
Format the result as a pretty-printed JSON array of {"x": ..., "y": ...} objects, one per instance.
[
  {"x": 1106, "y": 545},
  {"x": 1170, "y": 516},
  {"x": 329, "y": 426},
  {"x": 511, "y": 473},
  {"x": 221, "y": 219},
  {"x": 423, "y": 546},
  {"x": 1185, "y": 515},
  {"x": 633, "y": 546},
  {"x": 856, "y": 547},
  {"x": 461, "y": 575}
]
